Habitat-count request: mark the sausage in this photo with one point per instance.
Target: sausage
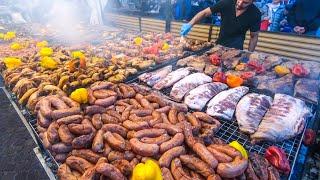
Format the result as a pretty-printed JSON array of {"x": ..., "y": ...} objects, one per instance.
[
  {"x": 156, "y": 118},
  {"x": 221, "y": 157},
  {"x": 114, "y": 142},
  {"x": 195, "y": 175},
  {"x": 103, "y": 93},
  {"x": 106, "y": 150},
  {"x": 135, "y": 103},
  {"x": 45, "y": 141},
  {"x": 101, "y": 85},
  {"x": 97, "y": 144},
  {"x": 91, "y": 98},
  {"x": 126, "y": 113},
  {"x": 197, "y": 165},
  {"x": 181, "y": 117},
  {"x": 205, "y": 117},
  {"x": 57, "y": 103},
  {"x": 115, "y": 114},
  {"x": 57, "y": 114},
  {"x": 144, "y": 149},
  {"x": 127, "y": 91},
  {"x": 155, "y": 105},
  {"x": 177, "y": 140},
  {"x": 141, "y": 112},
  {"x": 164, "y": 109},
  {"x": 71, "y": 103},
  {"x": 86, "y": 154},
  {"x": 80, "y": 129},
  {"x": 115, "y": 155},
  {"x": 123, "y": 102},
  {"x": 134, "y": 117},
  {"x": 171, "y": 129},
  {"x": 94, "y": 109},
  {"x": 90, "y": 173},
  {"x": 166, "y": 174},
  {"x": 149, "y": 133},
  {"x": 61, "y": 157},
  {"x": 205, "y": 155},
  {"x": 115, "y": 128},
  {"x": 78, "y": 163},
  {"x": 117, "y": 136},
  {"x": 232, "y": 169},
  {"x": 157, "y": 140},
  {"x": 120, "y": 109},
  {"x": 164, "y": 118},
  {"x": 146, "y": 104},
  {"x": 61, "y": 148},
  {"x": 214, "y": 177},
  {"x": 110, "y": 171},
  {"x": 88, "y": 123},
  {"x": 187, "y": 131},
  {"x": 177, "y": 170},
  {"x": 250, "y": 173},
  {"x": 194, "y": 122},
  {"x": 70, "y": 119},
  {"x": 43, "y": 121},
  {"x": 138, "y": 97},
  {"x": 106, "y": 101},
  {"x": 172, "y": 116},
  {"x": 64, "y": 173},
  {"x": 124, "y": 166},
  {"x": 65, "y": 135},
  {"x": 136, "y": 126},
  {"x": 96, "y": 121},
  {"x": 155, "y": 99},
  {"x": 52, "y": 133},
  {"x": 107, "y": 119},
  {"x": 41, "y": 129},
  {"x": 167, "y": 157},
  {"x": 83, "y": 141},
  {"x": 226, "y": 149}
]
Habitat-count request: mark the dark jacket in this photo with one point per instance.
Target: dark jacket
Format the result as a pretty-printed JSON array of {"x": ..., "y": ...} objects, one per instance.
[{"x": 305, "y": 13}]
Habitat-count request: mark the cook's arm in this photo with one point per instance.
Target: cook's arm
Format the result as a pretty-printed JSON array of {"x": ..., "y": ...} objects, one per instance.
[{"x": 253, "y": 41}]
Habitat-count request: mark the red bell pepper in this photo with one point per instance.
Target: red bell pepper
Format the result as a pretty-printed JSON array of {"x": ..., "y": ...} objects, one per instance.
[
  {"x": 299, "y": 70},
  {"x": 215, "y": 59},
  {"x": 309, "y": 137},
  {"x": 277, "y": 157},
  {"x": 247, "y": 75},
  {"x": 256, "y": 66},
  {"x": 219, "y": 77}
]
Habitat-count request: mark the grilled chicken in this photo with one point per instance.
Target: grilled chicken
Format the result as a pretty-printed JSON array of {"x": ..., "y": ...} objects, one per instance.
[
  {"x": 153, "y": 77},
  {"x": 250, "y": 111},
  {"x": 186, "y": 84},
  {"x": 285, "y": 119},
  {"x": 224, "y": 104},
  {"x": 198, "y": 97},
  {"x": 172, "y": 78}
]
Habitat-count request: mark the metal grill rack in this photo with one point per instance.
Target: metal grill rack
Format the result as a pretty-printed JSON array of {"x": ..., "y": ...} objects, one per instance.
[{"x": 51, "y": 162}]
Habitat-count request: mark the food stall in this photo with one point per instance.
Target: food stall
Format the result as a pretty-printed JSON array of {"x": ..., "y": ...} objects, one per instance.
[{"x": 142, "y": 103}]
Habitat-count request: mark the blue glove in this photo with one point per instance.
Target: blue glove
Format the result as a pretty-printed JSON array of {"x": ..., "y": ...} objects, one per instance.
[{"x": 185, "y": 29}]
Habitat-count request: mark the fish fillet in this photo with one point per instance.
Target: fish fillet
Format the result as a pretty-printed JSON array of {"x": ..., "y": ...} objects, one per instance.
[
  {"x": 250, "y": 111},
  {"x": 152, "y": 78},
  {"x": 285, "y": 119},
  {"x": 186, "y": 84},
  {"x": 197, "y": 98},
  {"x": 224, "y": 104},
  {"x": 172, "y": 78}
]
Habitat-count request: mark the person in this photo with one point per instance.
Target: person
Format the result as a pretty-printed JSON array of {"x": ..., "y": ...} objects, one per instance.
[
  {"x": 273, "y": 13},
  {"x": 237, "y": 17},
  {"x": 97, "y": 7},
  {"x": 304, "y": 17}
]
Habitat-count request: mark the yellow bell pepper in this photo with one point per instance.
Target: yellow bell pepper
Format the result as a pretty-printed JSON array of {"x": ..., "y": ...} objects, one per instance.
[
  {"x": 80, "y": 95},
  {"x": 15, "y": 46},
  {"x": 150, "y": 170},
  {"x": 1, "y": 35},
  {"x": 234, "y": 81},
  {"x": 77, "y": 54},
  {"x": 48, "y": 62},
  {"x": 165, "y": 46},
  {"x": 42, "y": 44},
  {"x": 46, "y": 51},
  {"x": 12, "y": 63},
  {"x": 281, "y": 70},
  {"x": 9, "y": 36},
  {"x": 240, "y": 148},
  {"x": 138, "y": 41}
]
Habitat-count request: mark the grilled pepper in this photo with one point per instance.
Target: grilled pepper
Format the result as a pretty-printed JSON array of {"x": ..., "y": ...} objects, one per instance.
[
  {"x": 247, "y": 75},
  {"x": 277, "y": 157},
  {"x": 12, "y": 63},
  {"x": 46, "y": 51},
  {"x": 80, "y": 95},
  {"x": 240, "y": 148},
  {"x": 259, "y": 68},
  {"x": 281, "y": 70},
  {"x": 234, "y": 81},
  {"x": 150, "y": 170},
  {"x": 300, "y": 71},
  {"x": 219, "y": 77},
  {"x": 309, "y": 137},
  {"x": 215, "y": 59}
]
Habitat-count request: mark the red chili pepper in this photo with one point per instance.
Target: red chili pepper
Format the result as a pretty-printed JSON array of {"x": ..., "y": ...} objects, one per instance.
[
  {"x": 215, "y": 59},
  {"x": 309, "y": 137},
  {"x": 247, "y": 75},
  {"x": 299, "y": 70},
  {"x": 219, "y": 77},
  {"x": 277, "y": 157}
]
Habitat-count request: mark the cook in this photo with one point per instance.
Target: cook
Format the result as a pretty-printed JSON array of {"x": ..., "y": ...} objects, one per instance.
[{"x": 238, "y": 16}]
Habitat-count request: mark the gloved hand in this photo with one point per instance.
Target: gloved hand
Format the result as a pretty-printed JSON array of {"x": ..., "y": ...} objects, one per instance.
[{"x": 185, "y": 29}]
